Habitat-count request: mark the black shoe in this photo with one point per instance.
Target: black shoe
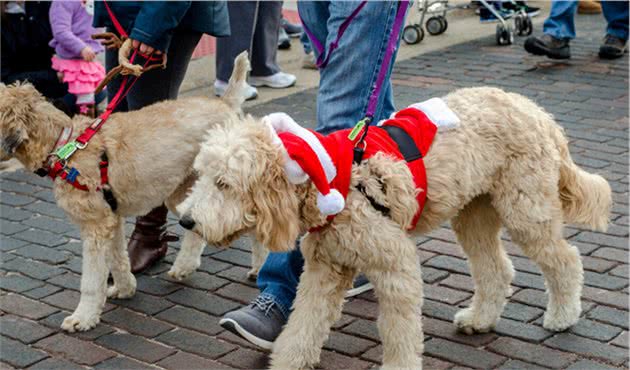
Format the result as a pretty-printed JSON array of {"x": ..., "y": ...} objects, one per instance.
[
  {"x": 548, "y": 45},
  {"x": 361, "y": 284},
  {"x": 520, "y": 5},
  {"x": 283, "y": 40},
  {"x": 259, "y": 323},
  {"x": 293, "y": 30},
  {"x": 612, "y": 48}
]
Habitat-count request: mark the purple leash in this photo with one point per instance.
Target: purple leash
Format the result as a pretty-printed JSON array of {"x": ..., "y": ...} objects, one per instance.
[{"x": 324, "y": 57}]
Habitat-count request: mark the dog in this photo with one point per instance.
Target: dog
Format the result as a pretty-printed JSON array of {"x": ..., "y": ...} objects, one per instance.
[
  {"x": 506, "y": 164},
  {"x": 150, "y": 153}
]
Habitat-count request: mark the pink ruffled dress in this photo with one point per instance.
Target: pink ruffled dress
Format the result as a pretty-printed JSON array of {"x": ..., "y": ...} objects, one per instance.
[
  {"x": 82, "y": 77},
  {"x": 71, "y": 23}
]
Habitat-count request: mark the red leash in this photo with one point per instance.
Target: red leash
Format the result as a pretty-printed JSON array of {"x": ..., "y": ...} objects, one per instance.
[{"x": 64, "y": 150}]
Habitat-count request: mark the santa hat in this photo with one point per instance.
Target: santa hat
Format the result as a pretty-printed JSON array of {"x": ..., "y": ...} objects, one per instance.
[{"x": 306, "y": 157}]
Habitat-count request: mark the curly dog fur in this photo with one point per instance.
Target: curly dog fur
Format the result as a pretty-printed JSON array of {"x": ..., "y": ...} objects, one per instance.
[
  {"x": 506, "y": 165},
  {"x": 151, "y": 152}
]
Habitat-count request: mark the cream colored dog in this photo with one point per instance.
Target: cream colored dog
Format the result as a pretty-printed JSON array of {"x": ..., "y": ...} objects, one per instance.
[
  {"x": 150, "y": 152},
  {"x": 506, "y": 165}
]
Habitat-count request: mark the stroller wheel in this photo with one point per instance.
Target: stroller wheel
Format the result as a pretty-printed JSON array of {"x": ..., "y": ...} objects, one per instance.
[
  {"x": 529, "y": 27},
  {"x": 444, "y": 23},
  {"x": 412, "y": 34},
  {"x": 434, "y": 26},
  {"x": 504, "y": 35},
  {"x": 519, "y": 24}
]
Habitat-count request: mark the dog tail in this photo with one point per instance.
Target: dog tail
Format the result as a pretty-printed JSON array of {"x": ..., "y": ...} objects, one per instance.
[
  {"x": 586, "y": 198},
  {"x": 235, "y": 92}
]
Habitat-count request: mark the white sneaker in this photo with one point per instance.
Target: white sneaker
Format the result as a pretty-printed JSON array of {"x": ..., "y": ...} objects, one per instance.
[
  {"x": 221, "y": 86},
  {"x": 279, "y": 80}
]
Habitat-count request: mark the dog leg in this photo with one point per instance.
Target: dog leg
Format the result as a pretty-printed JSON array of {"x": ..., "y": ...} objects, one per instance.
[
  {"x": 189, "y": 256},
  {"x": 399, "y": 295},
  {"x": 93, "y": 286},
  {"x": 562, "y": 268},
  {"x": 316, "y": 308},
  {"x": 259, "y": 255},
  {"x": 118, "y": 261},
  {"x": 477, "y": 228}
]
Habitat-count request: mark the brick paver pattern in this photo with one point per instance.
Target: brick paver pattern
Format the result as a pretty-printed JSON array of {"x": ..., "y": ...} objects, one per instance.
[{"x": 175, "y": 325}]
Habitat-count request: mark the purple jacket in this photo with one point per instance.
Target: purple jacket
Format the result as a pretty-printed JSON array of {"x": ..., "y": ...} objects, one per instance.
[{"x": 72, "y": 27}]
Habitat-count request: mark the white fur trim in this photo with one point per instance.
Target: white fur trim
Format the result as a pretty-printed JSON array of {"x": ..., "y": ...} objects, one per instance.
[
  {"x": 295, "y": 173},
  {"x": 439, "y": 113},
  {"x": 282, "y": 122},
  {"x": 331, "y": 203}
]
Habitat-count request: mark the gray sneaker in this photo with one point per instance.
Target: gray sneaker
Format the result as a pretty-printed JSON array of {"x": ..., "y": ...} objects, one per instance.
[{"x": 259, "y": 323}]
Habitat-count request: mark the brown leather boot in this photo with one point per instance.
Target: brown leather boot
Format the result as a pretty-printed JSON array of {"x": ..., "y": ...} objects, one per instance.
[
  {"x": 148, "y": 242},
  {"x": 589, "y": 7}
]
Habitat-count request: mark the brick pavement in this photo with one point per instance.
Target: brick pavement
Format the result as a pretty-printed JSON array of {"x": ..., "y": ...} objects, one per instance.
[{"x": 174, "y": 325}]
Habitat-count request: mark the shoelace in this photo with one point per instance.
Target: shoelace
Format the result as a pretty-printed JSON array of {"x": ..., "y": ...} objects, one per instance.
[{"x": 263, "y": 303}]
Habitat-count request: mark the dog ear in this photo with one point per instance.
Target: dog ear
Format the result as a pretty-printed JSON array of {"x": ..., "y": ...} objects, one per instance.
[
  {"x": 278, "y": 221},
  {"x": 397, "y": 186},
  {"x": 17, "y": 103}
]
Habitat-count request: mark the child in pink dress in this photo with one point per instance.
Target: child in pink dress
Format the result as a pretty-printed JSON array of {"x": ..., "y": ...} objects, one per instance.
[{"x": 75, "y": 59}]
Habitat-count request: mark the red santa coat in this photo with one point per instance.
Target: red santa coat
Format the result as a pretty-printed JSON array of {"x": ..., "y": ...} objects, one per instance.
[{"x": 415, "y": 123}]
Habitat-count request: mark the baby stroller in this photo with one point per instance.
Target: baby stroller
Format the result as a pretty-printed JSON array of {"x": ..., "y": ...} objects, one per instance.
[{"x": 436, "y": 24}]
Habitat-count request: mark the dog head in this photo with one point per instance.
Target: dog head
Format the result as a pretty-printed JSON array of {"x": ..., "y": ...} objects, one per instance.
[
  {"x": 26, "y": 118},
  {"x": 241, "y": 186},
  {"x": 16, "y": 107}
]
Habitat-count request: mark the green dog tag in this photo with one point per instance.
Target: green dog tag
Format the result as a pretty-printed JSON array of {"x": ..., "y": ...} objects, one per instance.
[
  {"x": 356, "y": 129},
  {"x": 67, "y": 150}
]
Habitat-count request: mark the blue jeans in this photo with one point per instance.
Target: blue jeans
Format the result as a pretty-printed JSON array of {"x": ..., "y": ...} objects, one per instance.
[
  {"x": 344, "y": 90},
  {"x": 306, "y": 43},
  {"x": 560, "y": 22}
]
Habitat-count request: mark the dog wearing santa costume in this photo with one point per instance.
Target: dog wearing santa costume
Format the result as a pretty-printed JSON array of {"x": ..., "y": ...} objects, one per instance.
[{"x": 480, "y": 157}]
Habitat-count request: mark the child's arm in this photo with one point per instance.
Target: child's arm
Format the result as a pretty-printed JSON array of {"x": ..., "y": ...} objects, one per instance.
[{"x": 61, "y": 24}]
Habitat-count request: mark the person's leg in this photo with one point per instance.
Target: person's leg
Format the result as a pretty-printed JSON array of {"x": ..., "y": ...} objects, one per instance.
[
  {"x": 616, "y": 13},
  {"x": 265, "y": 41},
  {"x": 558, "y": 31},
  {"x": 148, "y": 242},
  {"x": 265, "y": 69},
  {"x": 344, "y": 93},
  {"x": 279, "y": 277},
  {"x": 560, "y": 23},
  {"x": 242, "y": 24},
  {"x": 306, "y": 43}
]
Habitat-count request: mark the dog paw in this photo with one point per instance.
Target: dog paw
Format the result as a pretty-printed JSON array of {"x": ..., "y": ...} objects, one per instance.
[
  {"x": 467, "y": 322},
  {"x": 78, "y": 322},
  {"x": 561, "y": 319},
  {"x": 119, "y": 292},
  {"x": 179, "y": 272},
  {"x": 252, "y": 274}
]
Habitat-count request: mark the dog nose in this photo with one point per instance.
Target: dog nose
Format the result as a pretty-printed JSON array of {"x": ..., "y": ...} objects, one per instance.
[{"x": 187, "y": 222}]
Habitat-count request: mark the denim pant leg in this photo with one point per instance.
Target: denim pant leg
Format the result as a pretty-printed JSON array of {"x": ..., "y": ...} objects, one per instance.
[
  {"x": 279, "y": 276},
  {"x": 346, "y": 82},
  {"x": 358, "y": 63},
  {"x": 616, "y": 13},
  {"x": 560, "y": 23},
  {"x": 306, "y": 43}
]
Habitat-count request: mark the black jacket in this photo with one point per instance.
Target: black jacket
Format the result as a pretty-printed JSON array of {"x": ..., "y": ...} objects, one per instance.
[{"x": 26, "y": 55}]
